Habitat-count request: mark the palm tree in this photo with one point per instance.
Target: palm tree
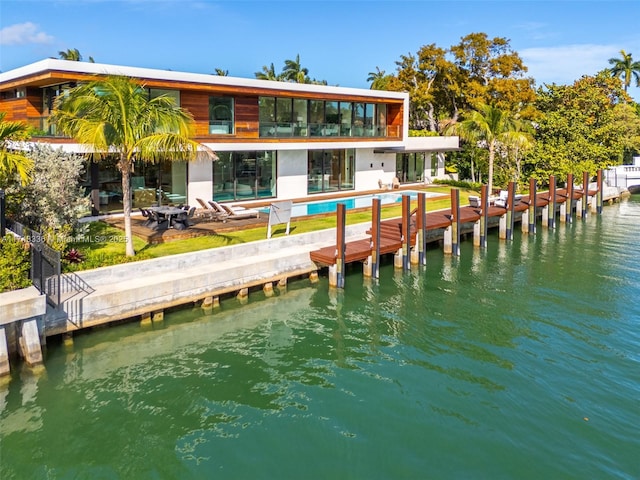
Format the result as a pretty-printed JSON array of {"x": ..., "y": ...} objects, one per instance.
[
  {"x": 268, "y": 73},
  {"x": 625, "y": 68},
  {"x": 72, "y": 54},
  {"x": 11, "y": 162},
  {"x": 377, "y": 79},
  {"x": 221, "y": 73},
  {"x": 115, "y": 116},
  {"x": 294, "y": 72},
  {"x": 488, "y": 127}
]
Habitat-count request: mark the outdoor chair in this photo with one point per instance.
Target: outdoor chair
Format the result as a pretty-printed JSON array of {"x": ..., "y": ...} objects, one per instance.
[
  {"x": 210, "y": 212},
  {"x": 148, "y": 219},
  {"x": 182, "y": 221},
  {"x": 157, "y": 221},
  {"x": 474, "y": 201},
  {"x": 235, "y": 212}
]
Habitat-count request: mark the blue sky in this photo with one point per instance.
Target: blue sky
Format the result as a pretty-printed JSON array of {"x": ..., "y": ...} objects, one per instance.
[{"x": 338, "y": 41}]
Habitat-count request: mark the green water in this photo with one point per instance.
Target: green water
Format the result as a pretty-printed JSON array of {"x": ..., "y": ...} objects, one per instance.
[{"x": 518, "y": 362}]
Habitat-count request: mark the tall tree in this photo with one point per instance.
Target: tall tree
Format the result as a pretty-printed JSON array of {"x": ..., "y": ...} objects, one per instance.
[
  {"x": 492, "y": 73},
  {"x": 625, "y": 69},
  {"x": 293, "y": 71},
  {"x": 221, "y": 73},
  {"x": 489, "y": 127},
  {"x": 268, "y": 73},
  {"x": 115, "y": 116},
  {"x": 72, "y": 54},
  {"x": 13, "y": 162},
  {"x": 379, "y": 79},
  {"x": 578, "y": 130}
]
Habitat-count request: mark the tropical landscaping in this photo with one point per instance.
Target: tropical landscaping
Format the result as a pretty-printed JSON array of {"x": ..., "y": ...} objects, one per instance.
[{"x": 510, "y": 130}]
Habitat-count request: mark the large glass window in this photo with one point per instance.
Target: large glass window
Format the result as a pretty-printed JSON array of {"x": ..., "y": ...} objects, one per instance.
[
  {"x": 300, "y": 117},
  {"x": 316, "y": 117},
  {"x": 382, "y": 120},
  {"x": 410, "y": 167},
  {"x": 267, "y": 116},
  {"x": 157, "y": 92},
  {"x": 332, "y": 119},
  {"x": 244, "y": 175},
  {"x": 286, "y": 117},
  {"x": 346, "y": 109},
  {"x": 330, "y": 170},
  {"x": 163, "y": 183},
  {"x": 220, "y": 115}
]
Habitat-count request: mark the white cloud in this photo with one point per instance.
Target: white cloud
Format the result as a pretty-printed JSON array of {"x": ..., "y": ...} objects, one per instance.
[
  {"x": 22, "y": 34},
  {"x": 565, "y": 64}
]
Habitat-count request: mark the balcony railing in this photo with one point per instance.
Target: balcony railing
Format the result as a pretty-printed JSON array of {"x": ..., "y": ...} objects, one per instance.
[
  {"x": 220, "y": 127},
  {"x": 298, "y": 130}
]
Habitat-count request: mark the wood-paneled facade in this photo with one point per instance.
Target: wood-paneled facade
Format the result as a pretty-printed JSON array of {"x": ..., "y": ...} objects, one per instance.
[{"x": 368, "y": 159}]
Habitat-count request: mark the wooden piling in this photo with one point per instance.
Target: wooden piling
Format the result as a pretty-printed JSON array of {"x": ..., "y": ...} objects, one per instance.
[
  {"x": 375, "y": 237},
  {"x": 551, "y": 212},
  {"x": 600, "y": 194},
  {"x": 406, "y": 231},
  {"x": 533, "y": 200},
  {"x": 421, "y": 224},
  {"x": 511, "y": 195},
  {"x": 455, "y": 221},
  {"x": 569, "y": 202},
  {"x": 484, "y": 215},
  {"x": 585, "y": 194},
  {"x": 340, "y": 243}
]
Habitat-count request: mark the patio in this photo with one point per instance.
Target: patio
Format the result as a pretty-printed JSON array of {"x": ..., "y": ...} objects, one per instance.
[{"x": 199, "y": 227}]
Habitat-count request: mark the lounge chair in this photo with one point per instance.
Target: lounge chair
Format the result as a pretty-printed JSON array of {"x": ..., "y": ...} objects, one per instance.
[
  {"x": 235, "y": 212},
  {"x": 210, "y": 212},
  {"x": 474, "y": 201}
]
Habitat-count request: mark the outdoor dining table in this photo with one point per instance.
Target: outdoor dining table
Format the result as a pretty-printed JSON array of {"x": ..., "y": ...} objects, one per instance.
[{"x": 170, "y": 213}]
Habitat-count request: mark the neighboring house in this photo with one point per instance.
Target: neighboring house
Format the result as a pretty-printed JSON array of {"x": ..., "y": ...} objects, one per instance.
[{"x": 274, "y": 140}]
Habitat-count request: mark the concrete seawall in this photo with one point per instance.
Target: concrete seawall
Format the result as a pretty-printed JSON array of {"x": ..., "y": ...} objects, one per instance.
[{"x": 148, "y": 286}]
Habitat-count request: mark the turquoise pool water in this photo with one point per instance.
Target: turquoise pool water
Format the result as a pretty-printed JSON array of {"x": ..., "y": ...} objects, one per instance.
[{"x": 360, "y": 201}]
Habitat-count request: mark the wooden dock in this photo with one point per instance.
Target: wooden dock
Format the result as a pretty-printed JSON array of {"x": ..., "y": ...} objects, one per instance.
[{"x": 387, "y": 236}]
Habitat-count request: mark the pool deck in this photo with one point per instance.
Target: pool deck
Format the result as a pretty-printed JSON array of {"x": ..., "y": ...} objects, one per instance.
[{"x": 201, "y": 226}]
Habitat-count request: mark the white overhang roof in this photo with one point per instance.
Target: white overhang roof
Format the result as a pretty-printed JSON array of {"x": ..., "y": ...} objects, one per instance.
[{"x": 87, "y": 68}]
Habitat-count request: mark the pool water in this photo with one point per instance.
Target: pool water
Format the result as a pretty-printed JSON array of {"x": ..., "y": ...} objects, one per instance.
[{"x": 360, "y": 201}]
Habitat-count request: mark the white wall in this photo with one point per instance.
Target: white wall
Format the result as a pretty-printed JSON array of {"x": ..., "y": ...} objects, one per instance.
[
  {"x": 292, "y": 174},
  {"x": 371, "y": 167},
  {"x": 200, "y": 181}
]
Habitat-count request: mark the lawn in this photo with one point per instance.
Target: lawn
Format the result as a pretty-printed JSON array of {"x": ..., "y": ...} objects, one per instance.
[{"x": 103, "y": 245}]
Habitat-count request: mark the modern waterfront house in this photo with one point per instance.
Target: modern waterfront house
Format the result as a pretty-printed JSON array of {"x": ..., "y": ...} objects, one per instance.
[{"x": 273, "y": 140}]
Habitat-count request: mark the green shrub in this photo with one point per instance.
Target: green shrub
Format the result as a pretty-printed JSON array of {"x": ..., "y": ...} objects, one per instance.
[
  {"x": 477, "y": 186},
  {"x": 15, "y": 263}
]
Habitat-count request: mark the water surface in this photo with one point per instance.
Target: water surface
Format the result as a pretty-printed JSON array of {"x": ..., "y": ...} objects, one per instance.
[{"x": 518, "y": 362}]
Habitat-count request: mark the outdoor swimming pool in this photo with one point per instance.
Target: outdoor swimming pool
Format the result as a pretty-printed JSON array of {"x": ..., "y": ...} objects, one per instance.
[{"x": 361, "y": 201}]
